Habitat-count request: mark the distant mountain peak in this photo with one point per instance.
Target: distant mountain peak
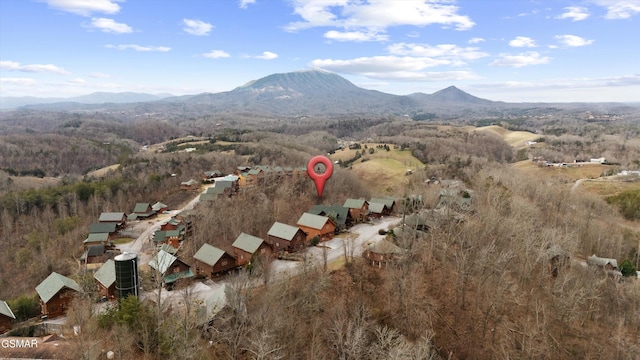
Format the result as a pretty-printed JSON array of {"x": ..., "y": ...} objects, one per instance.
[{"x": 453, "y": 94}]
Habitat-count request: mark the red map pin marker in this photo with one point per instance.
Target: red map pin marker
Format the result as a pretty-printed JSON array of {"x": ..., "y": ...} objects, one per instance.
[{"x": 320, "y": 169}]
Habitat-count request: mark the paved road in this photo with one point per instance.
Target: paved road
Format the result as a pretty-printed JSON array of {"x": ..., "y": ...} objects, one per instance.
[{"x": 154, "y": 225}]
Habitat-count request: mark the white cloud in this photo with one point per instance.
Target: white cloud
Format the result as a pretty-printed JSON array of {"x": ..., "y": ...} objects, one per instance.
[
  {"x": 619, "y": 9},
  {"x": 357, "y": 36},
  {"x": 476, "y": 40},
  {"x": 18, "y": 81},
  {"x": 377, "y": 15},
  {"x": 139, "y": 48},
  {"x": 522, "y": 41},
  {"x": 245, "y": 3},
  {"x": 521, "y": 60},
  {"x": 422, "y": 76},
  {"x": 196, "y": 27},
  {"x": 378, "y": 64},
  {"x": 575, "y": 13},
  {"x": 573, "y": 40},
  {"x": 406, "y": 69},
  {"x": 86, "y": 7},
  {"x": 451, "y": 52},
  {"x": 33, "y": 68},
  {"x": 216, "y": 54},
  {"x": 267, "y": 55},
  {"x": 110, "y": 26}
]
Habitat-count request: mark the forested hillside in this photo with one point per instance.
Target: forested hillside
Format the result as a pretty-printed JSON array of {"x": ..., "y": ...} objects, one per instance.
[{"x": 506, "y": 278}]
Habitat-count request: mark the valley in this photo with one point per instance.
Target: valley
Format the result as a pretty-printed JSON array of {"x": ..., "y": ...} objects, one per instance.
[{"x": 497, "y": 209}]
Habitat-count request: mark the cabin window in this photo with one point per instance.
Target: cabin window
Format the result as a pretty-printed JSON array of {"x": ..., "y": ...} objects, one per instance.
[{"x": 224, "y": 262}]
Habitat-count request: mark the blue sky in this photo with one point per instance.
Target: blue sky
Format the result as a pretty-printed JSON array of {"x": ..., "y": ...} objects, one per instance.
[{"x": 508, "y": 50}]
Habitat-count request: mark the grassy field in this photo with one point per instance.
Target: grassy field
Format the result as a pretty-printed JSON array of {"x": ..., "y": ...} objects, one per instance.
[
  {"x": 609, "y": 187},
  {"x": 572, "y": 173},
  {"x": 516, "y": 139},
  {"x": 103, "y": 171},
  {"x": 383, "y": 171}
]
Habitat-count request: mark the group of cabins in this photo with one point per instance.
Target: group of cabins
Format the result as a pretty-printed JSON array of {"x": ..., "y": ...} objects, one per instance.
[{"x": 319, "y": 224}]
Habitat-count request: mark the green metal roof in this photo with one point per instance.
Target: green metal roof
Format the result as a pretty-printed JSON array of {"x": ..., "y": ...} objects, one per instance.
[
  {"x": 106, "y": 275},
  {"x": 111, "y": 217},
  {"x": 6, "y": 310},
  {"x": 52, "y": 285},
  {"x": 376, "y": 208},
  {"x": 313, "y": 221},
  {"x": 248, "y": 243},
  {"x": 283, "y": 231},
  {"x": 97, "y": 237},
  {"x": 102, "y": 228},
  {"x": 171, "y": 278},
  {"x": 338, "y": 213},
  {"x": 216, "y": 190},
  {"x": 168, "y": 248},
  {"x": 354, "y": 203},
  {"x": 388, "y": 201},
  {"x": 162, "y": 261},
  {"x": 141, "y": 207},
  {"x": 208, "y": 254},
  {"x": 208, "y": 196}
]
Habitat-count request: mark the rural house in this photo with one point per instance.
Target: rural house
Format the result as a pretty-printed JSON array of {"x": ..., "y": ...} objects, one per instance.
[
  {"x": 106, "y": 279},
  {"x": 103, "y": 228},
  {"x": 56, "y": 293},
  {"x": 143, "y": 211},
  {"x": 246, "y": 246},
  {"x": 189, "y": 185},
  {"x": 6, "y": 317},
  {"x": 381, "y": 251},
  {"x": 210, "y": 261},
  {"x": 338, "y": 213},
  {"x": 95, "y": 255},
  {"x": 283, "y": 237},
  {"x": 118, "y": 218},
  {"x": 377, "y": 210},
  {"x": 170, "y": 268},
  {"x": 389, "y": 204},
  {"x": 209, "y": 176},
  {"x": 358, "y": 208},
  {"x": 97, "y": 239},
  {"x": 159, "y": 207},
  {"x": 171, "y": 237},
  {"x": 316, "y": 225}
]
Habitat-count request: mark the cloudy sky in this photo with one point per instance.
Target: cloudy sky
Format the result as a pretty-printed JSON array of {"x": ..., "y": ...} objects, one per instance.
[{"x": 509, "y": 50}]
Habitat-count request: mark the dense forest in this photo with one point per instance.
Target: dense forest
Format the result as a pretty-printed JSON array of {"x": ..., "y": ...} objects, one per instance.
[{"x": 484, "y": 286}]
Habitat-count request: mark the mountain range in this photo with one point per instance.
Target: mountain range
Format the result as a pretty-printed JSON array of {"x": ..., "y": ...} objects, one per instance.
[{"x": 300, "y": 93}]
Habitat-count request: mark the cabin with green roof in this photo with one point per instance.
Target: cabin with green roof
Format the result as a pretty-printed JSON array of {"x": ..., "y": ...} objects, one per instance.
[
  {"x": 210, "y": 261},
  {"x": 246, "y": 246},
  {"x": 170, "y": 268},
  {"x": 56, "y": 293},
  {"x": 358, "y": 209},
  {"x": 283, "y": 237},
  {"x": 316, "y": 225},
  {"x": 106, "y": 279}
]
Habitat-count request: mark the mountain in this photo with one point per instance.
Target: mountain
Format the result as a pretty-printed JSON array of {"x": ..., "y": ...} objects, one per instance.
[
  {"x": 294, "y": 94},
  {"x": 300, "y": 93},
  {"x": 94, "y": 98}
]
